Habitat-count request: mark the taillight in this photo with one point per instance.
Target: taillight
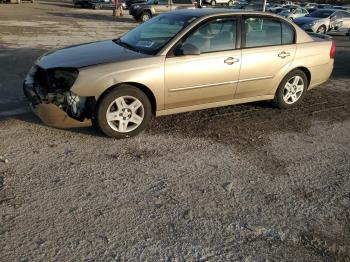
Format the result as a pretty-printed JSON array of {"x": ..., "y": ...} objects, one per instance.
[{"x": 332, "y": 52}]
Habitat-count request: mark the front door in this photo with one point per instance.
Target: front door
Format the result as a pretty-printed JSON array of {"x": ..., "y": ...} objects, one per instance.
[
  {"x": 266, "y": 55},
  {"x": 209, "y": 77}
]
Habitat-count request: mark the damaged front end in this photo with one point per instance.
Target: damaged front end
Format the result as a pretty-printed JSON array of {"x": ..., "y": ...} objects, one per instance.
[{"x": 51, "y": 99}]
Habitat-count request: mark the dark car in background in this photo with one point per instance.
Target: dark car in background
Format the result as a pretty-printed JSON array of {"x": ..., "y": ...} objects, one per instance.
[
  {"x": 106, "y": 4},
  {"x": 129, "y": 3},
  {"x": 98, "y": 4},
  {"x": 143, "y": 12}
]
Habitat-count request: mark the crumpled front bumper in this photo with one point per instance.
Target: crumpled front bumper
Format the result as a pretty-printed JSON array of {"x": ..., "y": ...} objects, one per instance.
[{"x": 50, "y": 113}]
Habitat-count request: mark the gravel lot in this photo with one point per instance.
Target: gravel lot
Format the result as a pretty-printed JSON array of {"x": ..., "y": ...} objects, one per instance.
[{"x": 239, "y": 183}]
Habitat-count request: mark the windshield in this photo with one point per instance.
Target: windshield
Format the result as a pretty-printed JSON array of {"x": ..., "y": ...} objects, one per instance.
[
  {"x": 321, "y": 13},
  {"x": 154, "y": 34}
]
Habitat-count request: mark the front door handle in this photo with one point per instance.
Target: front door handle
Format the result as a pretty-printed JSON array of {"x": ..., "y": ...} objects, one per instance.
[
  {"x": 283, "y": 54},
  {"x": 231, "y": 60}
]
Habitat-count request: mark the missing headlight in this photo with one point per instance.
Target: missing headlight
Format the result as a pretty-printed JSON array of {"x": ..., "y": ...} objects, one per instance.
[{"x": 63, "y": 78}]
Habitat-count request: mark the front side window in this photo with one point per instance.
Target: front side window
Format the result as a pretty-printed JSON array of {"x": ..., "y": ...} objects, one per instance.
[
  {"x": 263, "y": 31},
  {"x": 218, "y": 35},
  {"x": 153, "y": 35}
]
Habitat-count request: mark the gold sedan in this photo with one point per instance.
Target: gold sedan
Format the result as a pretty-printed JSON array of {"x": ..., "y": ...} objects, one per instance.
[{"x": 176, "y": 62}]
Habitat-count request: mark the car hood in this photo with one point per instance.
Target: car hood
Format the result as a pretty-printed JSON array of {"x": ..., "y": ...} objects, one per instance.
[
  {"x": 305, "y": 20},
  {"x": 87, "y": 55}
]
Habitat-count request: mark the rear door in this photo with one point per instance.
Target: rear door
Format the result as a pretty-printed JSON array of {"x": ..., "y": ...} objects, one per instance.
[{"x": 268, "y": 50}]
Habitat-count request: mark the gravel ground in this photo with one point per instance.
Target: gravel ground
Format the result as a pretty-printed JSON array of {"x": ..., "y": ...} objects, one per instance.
[{"x": 239, "y": 183}]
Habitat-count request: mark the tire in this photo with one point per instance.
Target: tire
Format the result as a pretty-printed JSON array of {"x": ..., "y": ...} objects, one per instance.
[
  {"x": 348, "y": 33},
  {"x": 145, "y": 16},
  {"x": 291, "y": 91},
  {"x": 322, "y": 29},
  {"x": 122, "y": 114},
  {"x": 230, "y": 3},
  {"x": 213, "y": 3}
]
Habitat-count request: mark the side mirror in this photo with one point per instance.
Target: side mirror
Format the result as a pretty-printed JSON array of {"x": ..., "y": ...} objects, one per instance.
[{"x": 187, "y": 49}]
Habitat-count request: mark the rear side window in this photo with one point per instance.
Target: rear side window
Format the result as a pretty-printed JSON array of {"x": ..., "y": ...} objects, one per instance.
[{"x": 264, "y": 31}]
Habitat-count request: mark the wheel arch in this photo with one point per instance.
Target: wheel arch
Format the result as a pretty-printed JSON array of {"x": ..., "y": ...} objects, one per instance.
[
  {"x": 307, "y": 73},
  {"x": 141, "y": 87}
]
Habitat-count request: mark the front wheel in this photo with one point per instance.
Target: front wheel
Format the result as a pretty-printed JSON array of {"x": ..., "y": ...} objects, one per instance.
[
  {"x": 291, "y": 90},
  {"x": 145, "y": 16},
  {"x": 124, "y": 111},
  {"x": 213, "y": 3}
]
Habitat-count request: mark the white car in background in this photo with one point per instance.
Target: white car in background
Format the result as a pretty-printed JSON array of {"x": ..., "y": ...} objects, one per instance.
[
  {"x": 324, "y": 20},
  {"x": 293, "y": 13}
]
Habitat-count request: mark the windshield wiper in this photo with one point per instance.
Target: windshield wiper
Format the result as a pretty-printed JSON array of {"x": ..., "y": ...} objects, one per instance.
[{"x": 125, "y": 44}]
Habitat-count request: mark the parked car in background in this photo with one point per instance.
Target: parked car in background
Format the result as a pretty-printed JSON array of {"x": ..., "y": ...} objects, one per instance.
[
  {"x": 106, "y": 4},
  {"x": 276, "y": 10},
  {"x": 344, "y": 8},
  {"x": 253, "y": 7},
  {"x": 294, "y": 12},
  {"x": 324, "y": 20},
  {"x": 309, "y": 5},
  {"x": 145, "y": 11},
  {"x": 221, "y": 2},
  {"x": 274, "y": 7},
  {"x": 177, "y": 62},
  {"x": 324, "y": 6},
  {"x": 129, "y": 3},
  {"x": 82, "y": 3}
]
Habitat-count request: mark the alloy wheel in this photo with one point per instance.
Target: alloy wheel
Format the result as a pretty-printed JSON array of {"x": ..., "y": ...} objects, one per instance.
[
  {"x": 293, "y": 90},
  {"x": 125, "y": 114}
]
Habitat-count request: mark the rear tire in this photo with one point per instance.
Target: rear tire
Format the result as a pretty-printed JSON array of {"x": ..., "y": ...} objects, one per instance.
[
  {"x": 291, "y": 90},
  {"x": 322, "y": 29},
  {"x": 124, "y": 111}
]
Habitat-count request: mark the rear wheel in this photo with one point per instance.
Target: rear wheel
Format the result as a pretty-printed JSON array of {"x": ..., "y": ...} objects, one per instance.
[
  {"x": 123, "y": 112},
  {"x": 213, "y": 2},
  {"x": 291, "y": 90},
  {"x": 322, "y": 29}
]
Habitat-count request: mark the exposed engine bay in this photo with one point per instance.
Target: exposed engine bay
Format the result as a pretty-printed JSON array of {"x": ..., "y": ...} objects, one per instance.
[{"x": 53, "y": 87}]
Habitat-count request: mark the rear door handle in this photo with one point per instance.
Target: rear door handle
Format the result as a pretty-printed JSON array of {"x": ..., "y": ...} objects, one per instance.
[
  {"x": 231, "y": 60},
  {"x": 283, "y": 54}
]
